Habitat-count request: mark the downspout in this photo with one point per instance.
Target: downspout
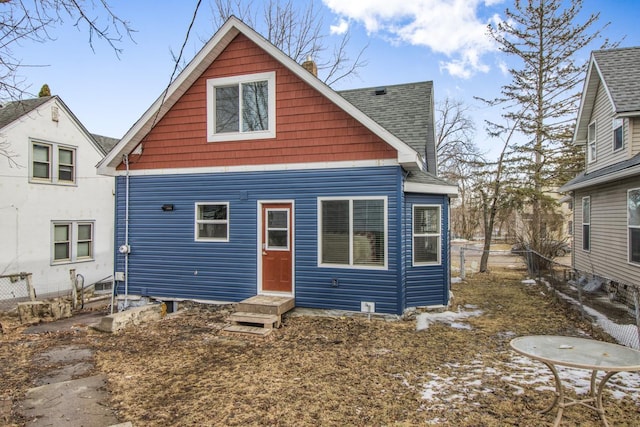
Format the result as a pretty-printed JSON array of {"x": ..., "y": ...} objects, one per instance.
[{"x": 126, "y": 231}]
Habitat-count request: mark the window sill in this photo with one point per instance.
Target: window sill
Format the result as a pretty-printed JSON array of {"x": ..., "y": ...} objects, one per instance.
[
  {"x": 354, "y": 267},
  {"x": 241, "y": 136},
  {"x": 66, "y": 261}
]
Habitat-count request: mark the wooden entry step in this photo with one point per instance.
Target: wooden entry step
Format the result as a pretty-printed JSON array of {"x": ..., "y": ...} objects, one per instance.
[{"x": 259, "y": 314}]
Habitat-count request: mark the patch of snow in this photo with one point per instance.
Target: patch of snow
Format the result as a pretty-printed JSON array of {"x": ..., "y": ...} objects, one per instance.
[
  {"x": 529, "y": 282},
  {"x": 424, "y": 320},
  {"x": 456, "y": 280}
]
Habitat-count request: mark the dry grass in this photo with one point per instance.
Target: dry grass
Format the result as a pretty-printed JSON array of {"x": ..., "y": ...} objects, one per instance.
[{"x": 326, "y": 371}]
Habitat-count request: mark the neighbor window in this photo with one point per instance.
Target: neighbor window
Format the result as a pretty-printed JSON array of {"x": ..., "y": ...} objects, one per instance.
[
  {"x": 72, "y": 241},
  {"x": 618, "y": 134},
  {"x": 633, "y": 222},
  {"x": 352, "y": 232},
  {"x": 426, "y": 234},
  {"x": 53, "y": 163},
  {"x": 591, "y": 142},
  {"x": 241, "y": 107},
  {"x": 212, "y": 222},
  {"x": 586, "y": 223}
]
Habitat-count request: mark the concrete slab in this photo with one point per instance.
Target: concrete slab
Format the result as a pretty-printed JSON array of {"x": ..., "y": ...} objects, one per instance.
[
  {"x": 77, "y": 321},
  {"x": 76, "y": 403}
]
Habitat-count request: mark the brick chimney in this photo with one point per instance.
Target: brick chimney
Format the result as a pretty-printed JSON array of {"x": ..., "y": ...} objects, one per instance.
[{"x": 310, "y": 66}]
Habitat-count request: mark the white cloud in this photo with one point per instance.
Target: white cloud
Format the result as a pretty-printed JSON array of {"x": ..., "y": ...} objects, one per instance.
[
  {"x": 341, "y": 28},
  {"x": 448, "y": 27}
]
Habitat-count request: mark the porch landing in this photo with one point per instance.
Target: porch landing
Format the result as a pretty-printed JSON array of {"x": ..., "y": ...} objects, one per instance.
[{"x": 259, "y": 315}]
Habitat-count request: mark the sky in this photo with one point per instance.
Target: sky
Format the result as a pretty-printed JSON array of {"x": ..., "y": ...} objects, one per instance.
[{"x": 444, "y": 41}]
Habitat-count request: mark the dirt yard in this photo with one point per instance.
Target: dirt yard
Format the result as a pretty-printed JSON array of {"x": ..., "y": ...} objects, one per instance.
[{"x": 341, "y": 371}]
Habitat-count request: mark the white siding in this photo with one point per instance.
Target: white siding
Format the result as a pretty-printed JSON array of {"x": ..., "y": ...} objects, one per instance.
[
  {"x": 608, "y": 255},
  {"x": 28, "y": 209}
]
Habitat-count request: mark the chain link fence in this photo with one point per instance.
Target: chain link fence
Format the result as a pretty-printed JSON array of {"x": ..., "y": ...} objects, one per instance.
[
  {"x": 611, "y": 303},
  {"x": 15, "y": 288}
]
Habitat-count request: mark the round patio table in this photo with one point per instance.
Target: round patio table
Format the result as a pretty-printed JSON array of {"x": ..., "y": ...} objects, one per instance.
[{"x": 578, "y": 353}]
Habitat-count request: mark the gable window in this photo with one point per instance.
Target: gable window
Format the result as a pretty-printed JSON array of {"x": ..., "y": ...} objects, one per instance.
[
  {"x": 633, "y": 223},
  {"x": 586, "y": 223},
  {"x": 426, "y": 234},
  {"x": 212, "y": 222},
  {"x": 591, "y": 142},
  {"x": 618, "y": 134},
  {"x": 241, "y": 107},
  {"x": 72, "y": 241},
  {"x": 352, "y": 232},
  {"x": 52, "y": 163}
]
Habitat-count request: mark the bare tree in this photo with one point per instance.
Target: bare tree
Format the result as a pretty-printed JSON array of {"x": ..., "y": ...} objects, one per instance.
[
  {"x": 454, "y": 134},
  {"x": 24, "y": 21},
  {"x": 297, "y": 31}
]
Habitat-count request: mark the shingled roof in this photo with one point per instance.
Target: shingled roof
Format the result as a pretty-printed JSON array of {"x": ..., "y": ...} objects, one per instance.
[
  {"x": 14, "y": 110},
  {"x": 620, "y": 70},
  {"x": 405, "y": 110}
]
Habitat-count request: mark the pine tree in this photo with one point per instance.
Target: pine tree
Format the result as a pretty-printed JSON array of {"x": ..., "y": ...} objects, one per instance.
[
  {"x": 543, "y": 38},
  {"x": 44, "y": 91}
]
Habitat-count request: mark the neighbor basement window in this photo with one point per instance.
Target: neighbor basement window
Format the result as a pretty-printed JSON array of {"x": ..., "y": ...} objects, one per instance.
[
  {"x": 212, "y": 222},
  {"x": 241, "y": 107}
]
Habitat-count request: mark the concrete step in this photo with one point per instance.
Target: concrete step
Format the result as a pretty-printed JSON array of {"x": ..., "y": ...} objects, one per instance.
[
  {"x": 268, "y": 320},
  {"x": 243, "y": 329}
]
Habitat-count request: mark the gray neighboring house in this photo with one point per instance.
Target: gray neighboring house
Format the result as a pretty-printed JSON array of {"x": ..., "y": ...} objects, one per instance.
[{"x": 606, "y": 195}]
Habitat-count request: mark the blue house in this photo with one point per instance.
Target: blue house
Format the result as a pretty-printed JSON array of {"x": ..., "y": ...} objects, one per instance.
[{"x": 249, "y": 176}]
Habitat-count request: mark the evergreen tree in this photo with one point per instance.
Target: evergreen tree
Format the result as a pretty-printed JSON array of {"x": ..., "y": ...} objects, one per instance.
[
  {"x": 543, "y": 38},
  {"x": 44, "y": 91}
]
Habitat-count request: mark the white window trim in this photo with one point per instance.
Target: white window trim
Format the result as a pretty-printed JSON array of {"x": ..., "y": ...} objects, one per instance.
[
  {"x": 73, "y": 242},
  {"x": 212, "y": 136},
  {"x": 351, "y": 265},
  {"x": 414, "y": 235},
  {"x": 197, "y": 221},
  {"x": 614, "y": 127},
  {"x": 629, "y": 227},
  {"x": 591, "y": 156},
  {"x": 54, "y": 163},
  {"x": 586, "y": 223}
]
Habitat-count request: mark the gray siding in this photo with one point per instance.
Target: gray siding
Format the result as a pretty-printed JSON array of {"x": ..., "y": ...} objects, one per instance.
[
  {"x": 608, "y": 256},
  {"x": 165, "y": 260},
  {"x": 603, "y": 116}
]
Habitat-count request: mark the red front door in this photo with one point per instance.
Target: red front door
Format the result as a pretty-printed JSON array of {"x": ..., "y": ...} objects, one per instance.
[{"x": 277, "y": 259}]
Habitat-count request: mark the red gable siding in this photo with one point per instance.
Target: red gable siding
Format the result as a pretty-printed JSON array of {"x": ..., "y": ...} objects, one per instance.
[{"x": 309, "y": 128}]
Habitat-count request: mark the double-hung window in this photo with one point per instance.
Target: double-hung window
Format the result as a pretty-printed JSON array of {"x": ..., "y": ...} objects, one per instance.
[
  {"x": 633, "y": 223},
  {"x": 212, "y": 222},
  {"x": 52, "y": 163},
  {"x": 618, "y": 134},
  {"x": 426, "y": 234},
  {"x": 591, "y": 142},
  {"x": 241, "y": 107},
  {"x": 352, "y": 232},
  {"x": 72, "y": 241},
  {"x": 586, "y": 223}
]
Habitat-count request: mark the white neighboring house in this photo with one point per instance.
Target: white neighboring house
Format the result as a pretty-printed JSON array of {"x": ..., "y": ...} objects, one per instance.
[{"x": 56, "y": 213}]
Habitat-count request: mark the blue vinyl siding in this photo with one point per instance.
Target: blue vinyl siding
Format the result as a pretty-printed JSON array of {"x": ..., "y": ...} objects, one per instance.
[
  {"x": 167, "y": 262},
  {"x": 429, "y": 284}
]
